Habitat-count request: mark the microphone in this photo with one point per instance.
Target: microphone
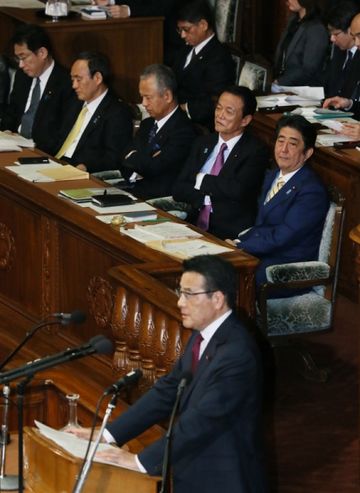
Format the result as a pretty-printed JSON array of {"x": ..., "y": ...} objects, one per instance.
[
  {"x": 130, "y": 378},
  {"x": 76, "y": 317},
  {"x": 185, "y": 379},
  {"x": 98, "y": 344}
]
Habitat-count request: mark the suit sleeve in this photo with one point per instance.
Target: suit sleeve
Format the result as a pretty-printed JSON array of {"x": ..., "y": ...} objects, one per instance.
[
  {"x": 115, "y": 135},
  {"x": 310, "y": 60},
  {"x": 230, "y": 383},
  {"x": 306, "y": 213},
  {"x": 172, "y": 153}
]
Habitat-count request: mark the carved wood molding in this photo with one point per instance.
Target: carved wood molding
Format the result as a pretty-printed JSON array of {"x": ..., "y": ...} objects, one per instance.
[
  {"x": 100, "y": 300},
  {"x": 7, "y": 247}
]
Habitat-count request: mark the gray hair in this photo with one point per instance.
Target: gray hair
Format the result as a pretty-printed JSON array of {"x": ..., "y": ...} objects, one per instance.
[{"x": 164, "y": 76}]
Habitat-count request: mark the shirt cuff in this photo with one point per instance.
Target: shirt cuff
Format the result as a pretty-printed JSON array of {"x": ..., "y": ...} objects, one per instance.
[
  {"x": 140, "y": 466},
  {"x": 108, "y": 437},
  {"x": 199, "y": 179},
  {"x": 350, "y": 105}
]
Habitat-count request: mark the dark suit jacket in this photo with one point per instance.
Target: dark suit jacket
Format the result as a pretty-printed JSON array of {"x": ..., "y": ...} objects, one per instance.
[
  {"x": 234, "y": 192},
  {"x": 288, "y": 228},
  {"x": 336, "y": 84},
  {"x": 201, "y": 82},
  {"x": 104, "y": 139},
  {"x": 173, "y": 141},
  {"x": 305, "y": 56},
  {"x": 53, "y": 106},
  {"x": 216, "y": 442}
]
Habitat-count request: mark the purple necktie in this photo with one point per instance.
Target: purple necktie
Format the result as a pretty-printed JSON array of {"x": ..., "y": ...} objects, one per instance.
[
  {"x": 195, "y": 352},
  {"x": 204, "y": 214}
]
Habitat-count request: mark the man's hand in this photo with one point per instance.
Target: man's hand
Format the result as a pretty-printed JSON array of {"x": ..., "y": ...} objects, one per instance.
[
  {"x": 119, "y": 457},
  {"x": 351, "y": 129},
  {"x": 82, "y": 167},
  {"x": 83, "y": 433},
  {"x": 337, "y": 102}
]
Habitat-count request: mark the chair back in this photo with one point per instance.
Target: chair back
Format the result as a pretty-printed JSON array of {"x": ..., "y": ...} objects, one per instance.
[
  {"x": 227, "y": 18},
  {"x": 330, "y": 244},
  {"x": 254, "y": 76}
]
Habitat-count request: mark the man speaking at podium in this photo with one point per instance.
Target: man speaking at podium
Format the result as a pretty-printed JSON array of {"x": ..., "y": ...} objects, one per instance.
[{"x": 216, "y": 445}]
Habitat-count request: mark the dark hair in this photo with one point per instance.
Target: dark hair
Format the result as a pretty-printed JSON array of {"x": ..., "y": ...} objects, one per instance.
[
  {"x": 194, "y": 11},
  {"x": 97, "y": 62},
  {"x": 165, "y": 77},
  {"x": 247, "y": 96},
  {"x": 312, "y": 8},
  {"x": 219, "y": 274},
  {"x": 341, "y": 15},
  {"x": 299, "y": 123},
  {"x": 33, "y": 36}
]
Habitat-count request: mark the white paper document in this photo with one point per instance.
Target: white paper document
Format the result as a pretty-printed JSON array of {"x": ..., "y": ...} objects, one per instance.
[
  {"x": 72, "y": 444},
  {"x": 29, "y": 172},
  {"x": 120, "y": 209},
  {"x": 329, "y": 139},
  {"x": 161, "y": 231},
  {"x": 191, "y": 248},
  {"x": 307, "y": 92},
  {"x": 14, "y": 142}
]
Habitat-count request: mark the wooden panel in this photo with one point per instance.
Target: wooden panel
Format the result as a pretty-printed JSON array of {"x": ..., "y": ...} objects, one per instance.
[{"x": 130, "y": 44}]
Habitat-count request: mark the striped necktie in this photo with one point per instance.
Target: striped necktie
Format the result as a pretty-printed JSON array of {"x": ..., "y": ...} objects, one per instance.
[
  {"x": 195, "y": 350},
  {"x": 73, "y": 134},
  {"x": 275, "y": 188},
  {"x": 28, "y": 117}
]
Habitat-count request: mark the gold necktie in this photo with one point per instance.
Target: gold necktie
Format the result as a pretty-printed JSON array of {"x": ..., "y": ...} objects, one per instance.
[
  {"x": 275, "y": 188},
  {"x": 74, "y": 132}
]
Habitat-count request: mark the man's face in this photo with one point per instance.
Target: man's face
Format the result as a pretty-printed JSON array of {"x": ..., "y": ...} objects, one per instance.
[
  {"x": 341, "y": 39},
  {"x": 229, "y": 119},
  {"x": 32, "y": 63},
  {"x": 197, "y": 310},
  {"x": 355, "y": 30},
  {"x": 157, "y": 104},
  {"x": 289, "y": 150},
  {"x": 193, "y": 33},
  {"x": 87, "y": 88}
]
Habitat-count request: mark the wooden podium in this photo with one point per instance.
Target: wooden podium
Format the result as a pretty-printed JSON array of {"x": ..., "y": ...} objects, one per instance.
[{"x": 50, "y": 469}]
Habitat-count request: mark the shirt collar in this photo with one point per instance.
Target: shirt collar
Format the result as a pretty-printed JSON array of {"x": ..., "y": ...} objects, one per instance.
[
  {"x": 161, "y": 123},
  {"x": 93, "y": 105},
  {"x": 201, "y": 45},
  {"x": 44, "y": 77},
  {"x": 230, "y": 143},
  {"x": 210, "y": 330},
  {"x": 287, "y": 177}
]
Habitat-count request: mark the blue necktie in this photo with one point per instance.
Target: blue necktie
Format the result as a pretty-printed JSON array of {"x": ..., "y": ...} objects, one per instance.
[{"x": 28, "y": 117}]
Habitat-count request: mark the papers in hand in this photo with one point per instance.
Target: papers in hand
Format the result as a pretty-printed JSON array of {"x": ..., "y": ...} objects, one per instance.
[
  {"x": 72, "y": 444},
  {"x": 14, "y": 142}
]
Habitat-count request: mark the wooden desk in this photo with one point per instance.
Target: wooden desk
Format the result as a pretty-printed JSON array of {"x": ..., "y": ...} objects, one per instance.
[
  {"x": 131, "y": 44},
  {"x": 56, "y": 257},
  {"x": 342, "y": 170}
]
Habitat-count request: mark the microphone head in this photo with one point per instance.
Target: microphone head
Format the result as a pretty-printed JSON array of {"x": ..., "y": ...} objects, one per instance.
[
  {"x": 186, "y": 377},
  {"x": 77, "y": 317},
  {"x": 101, "y": 344}
]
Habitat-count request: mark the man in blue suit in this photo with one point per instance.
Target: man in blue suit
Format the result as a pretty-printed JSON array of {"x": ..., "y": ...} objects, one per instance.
[
  {"x": 293, "y": 203},
  {"x": 217, "y": 444}
]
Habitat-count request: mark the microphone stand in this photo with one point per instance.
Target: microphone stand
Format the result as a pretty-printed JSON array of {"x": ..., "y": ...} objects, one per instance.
[
  {"x": 167, "y": 452},
  {"x": 12, "y": 482},
  {"x": 20, "y": 407},
  {"x": 87, "y": 464}
]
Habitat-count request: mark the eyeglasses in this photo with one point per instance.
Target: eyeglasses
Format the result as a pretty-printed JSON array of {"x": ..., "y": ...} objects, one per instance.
[
  {"x": 335, "y": 33},
  {"x": 23, "y": 58},
  {"x": 187, "y": 294},
  {"x": 185, "y": 29}
]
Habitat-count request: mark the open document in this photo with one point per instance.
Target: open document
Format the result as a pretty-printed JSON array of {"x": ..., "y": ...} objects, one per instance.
[
  {"x": 72, "y": 444},
  {"x": 14, "y": 142}
]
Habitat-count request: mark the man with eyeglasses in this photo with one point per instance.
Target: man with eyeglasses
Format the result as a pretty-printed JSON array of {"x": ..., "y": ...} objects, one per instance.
[
  {"x": 204, "y": 67},
  {"x": 343, "y": 70},
  {"x": 42, "y": 90},
  {"x": 217, "y": 443}
]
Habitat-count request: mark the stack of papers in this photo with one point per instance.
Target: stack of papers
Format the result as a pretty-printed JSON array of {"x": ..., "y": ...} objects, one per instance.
[
  {"x": 30, "y": 172},
  {"x": 93, "y": 13},
  {"x": 64, "y": 173},
  {"x": 14, "y": 142},
  {"x": 174, "y": 239}
]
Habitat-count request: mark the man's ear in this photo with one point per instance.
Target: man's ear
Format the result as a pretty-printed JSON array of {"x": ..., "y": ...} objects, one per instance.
[
  {"x": 98, "y": 78},
  {"x": 308, "y": 153},
  {"x": 42, "y": 52},
  {"x": 246, "y": 120}
]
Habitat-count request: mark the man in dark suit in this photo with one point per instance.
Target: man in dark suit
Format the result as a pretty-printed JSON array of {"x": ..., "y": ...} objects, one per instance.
[
  {"x": 217, "y": 445},
  {"x": 293, "y": 203},
  {"x": 98, "y": 127},
  {"x": 42, "y": 90},
  {"x": 224, "y": 201},
  {"x": 153, "y": 160},
  {"x": 204, "y": 67},
  {"x": 343, "y": 70}
]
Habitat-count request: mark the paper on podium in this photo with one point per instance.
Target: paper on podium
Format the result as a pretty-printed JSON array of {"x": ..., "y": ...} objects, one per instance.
[
  {"x": 64, "y": 173},
  {"x": 72, "y": 444}
]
